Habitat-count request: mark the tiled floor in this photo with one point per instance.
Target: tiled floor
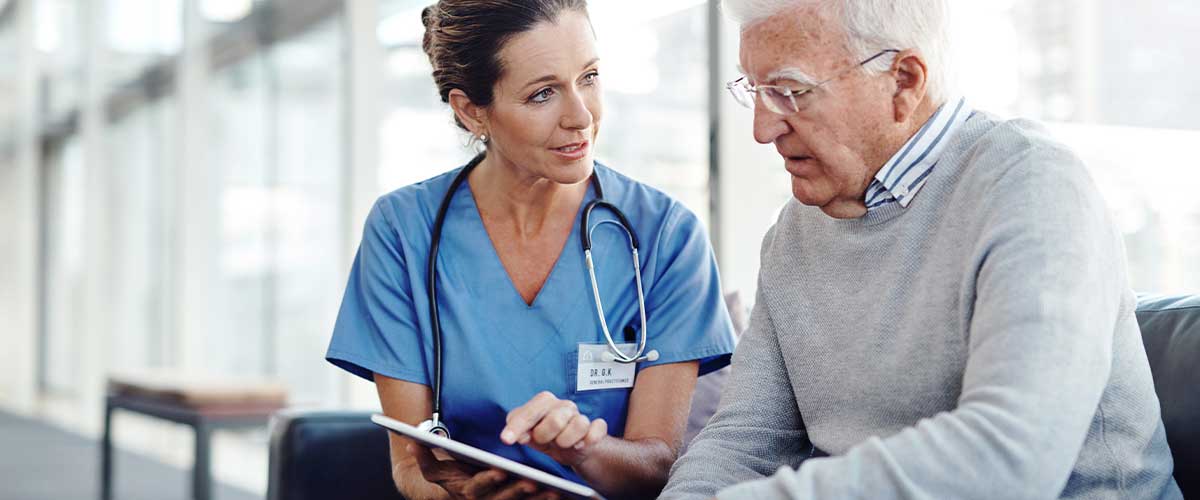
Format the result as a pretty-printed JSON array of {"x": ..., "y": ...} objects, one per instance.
[{"x": 40, "y": 461}]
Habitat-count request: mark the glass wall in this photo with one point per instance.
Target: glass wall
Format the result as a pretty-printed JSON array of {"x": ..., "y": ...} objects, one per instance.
[
  {"x": 136, "y": 36},
  {"x": 59, "y": 40},
  {"x": 267, "y": 113},
  {"x": 307, "y": 207},
  {"x": 139, "y": 35},
  {"x": 277, "y": 134},
  {"x": 655, "y": 75},
  {"x": 62, "y": 234},
  {"x": 140, "y": 146},
  {"x": 239, "y": 123},
  {"x": 417, "y": 135},
  {"x": 1112, "y": 80},
  {"x": 8, "y": 84},
  {"x": 59, "y": 43}
]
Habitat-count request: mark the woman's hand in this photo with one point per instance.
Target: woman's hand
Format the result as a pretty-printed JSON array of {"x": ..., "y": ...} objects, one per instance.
[
  {"x": 462, "y": 481},
  {"x": 555, "y": 427}
]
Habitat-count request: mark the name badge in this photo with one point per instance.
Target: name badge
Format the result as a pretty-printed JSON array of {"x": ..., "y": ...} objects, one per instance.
[{"x": 596, "y": 373}]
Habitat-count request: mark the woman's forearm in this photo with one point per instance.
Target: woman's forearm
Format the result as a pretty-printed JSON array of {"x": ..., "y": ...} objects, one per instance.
[{"x": 619, "y": 468}]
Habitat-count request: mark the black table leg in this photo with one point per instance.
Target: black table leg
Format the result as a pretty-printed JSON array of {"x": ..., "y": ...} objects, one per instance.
[
  {"x": 201, "y": 472},
  {"x": 106, "y": 454}
]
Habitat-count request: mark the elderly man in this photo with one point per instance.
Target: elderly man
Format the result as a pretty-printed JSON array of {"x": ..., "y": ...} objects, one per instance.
[{"x": 945, "y": 312}]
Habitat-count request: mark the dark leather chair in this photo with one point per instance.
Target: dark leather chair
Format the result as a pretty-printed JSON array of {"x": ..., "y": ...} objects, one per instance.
[
  {"x": 321, "y": 455},
  {"x": 1171, "y": 334}
]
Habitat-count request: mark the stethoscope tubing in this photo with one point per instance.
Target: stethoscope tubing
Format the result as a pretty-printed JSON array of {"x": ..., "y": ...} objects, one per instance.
[
  {"x": 435, "y": 320},
  {"x": 435, "y": 423}
]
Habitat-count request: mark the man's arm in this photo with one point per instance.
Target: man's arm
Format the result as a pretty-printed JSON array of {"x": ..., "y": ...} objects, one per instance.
[
  {"x": 1048, "y": 297},
  {"x": 757, "y": 427}
]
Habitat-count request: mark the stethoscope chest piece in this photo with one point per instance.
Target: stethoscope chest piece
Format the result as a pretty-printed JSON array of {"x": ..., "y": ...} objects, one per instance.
[{"x": 435, "y": 426}]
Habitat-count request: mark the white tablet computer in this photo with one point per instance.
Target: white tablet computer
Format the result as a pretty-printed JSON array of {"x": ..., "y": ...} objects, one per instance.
[{"x": 476, "y": 456}]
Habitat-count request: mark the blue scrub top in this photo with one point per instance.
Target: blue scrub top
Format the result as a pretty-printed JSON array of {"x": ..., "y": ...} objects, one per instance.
[{"x": 499, "y": 351}]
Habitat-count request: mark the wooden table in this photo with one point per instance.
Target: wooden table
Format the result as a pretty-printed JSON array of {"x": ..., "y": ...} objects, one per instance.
[{"x": 206, "y": 404}]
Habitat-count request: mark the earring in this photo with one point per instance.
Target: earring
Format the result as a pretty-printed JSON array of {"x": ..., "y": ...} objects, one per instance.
[{"x": 482, "y": 143}]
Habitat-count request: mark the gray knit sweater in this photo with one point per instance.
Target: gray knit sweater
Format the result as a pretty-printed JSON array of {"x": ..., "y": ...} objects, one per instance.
[{"x": 980, "y": 343}]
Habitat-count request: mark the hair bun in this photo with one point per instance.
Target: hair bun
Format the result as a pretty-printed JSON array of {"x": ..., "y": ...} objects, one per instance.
[{"x": 429, "y": 16}]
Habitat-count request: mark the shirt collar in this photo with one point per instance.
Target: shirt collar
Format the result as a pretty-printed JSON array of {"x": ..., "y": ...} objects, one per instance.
[{"x": 907, "y": 170}]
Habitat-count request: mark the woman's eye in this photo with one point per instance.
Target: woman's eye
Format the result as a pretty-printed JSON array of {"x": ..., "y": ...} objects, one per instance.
[
  {"x": 590, "y": 78},
  {"x": 542, "y": 95}
]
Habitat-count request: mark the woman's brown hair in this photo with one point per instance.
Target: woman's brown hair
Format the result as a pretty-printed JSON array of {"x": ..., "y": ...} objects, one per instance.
[{"x": 463, "y": 39}]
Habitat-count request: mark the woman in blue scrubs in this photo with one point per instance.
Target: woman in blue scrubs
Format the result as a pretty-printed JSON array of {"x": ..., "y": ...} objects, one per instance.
[{"x": 524, "y": 372}]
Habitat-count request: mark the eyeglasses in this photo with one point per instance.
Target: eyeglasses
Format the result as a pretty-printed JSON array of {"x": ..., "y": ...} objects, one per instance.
[{"x": 783, "y": 100}]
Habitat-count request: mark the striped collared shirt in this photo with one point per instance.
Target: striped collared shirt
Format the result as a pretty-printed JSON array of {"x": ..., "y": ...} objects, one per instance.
[{"x": 905, "y": 173}]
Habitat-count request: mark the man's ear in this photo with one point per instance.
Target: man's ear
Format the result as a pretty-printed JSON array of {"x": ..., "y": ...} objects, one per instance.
[
  {"x": 911, "y": 76},
  {"x": 471, "y": 115}
]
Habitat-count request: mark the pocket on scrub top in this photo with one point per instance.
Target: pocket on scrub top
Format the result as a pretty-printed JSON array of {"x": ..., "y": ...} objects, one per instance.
[{"x": 606, "y": 403}]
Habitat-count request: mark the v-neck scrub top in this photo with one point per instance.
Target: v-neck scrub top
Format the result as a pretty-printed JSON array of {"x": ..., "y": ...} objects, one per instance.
[{"x": 499, "y": 351}]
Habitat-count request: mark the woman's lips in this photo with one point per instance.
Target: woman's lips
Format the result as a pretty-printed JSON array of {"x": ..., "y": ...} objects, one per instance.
[{"x": 574, "y": 151}]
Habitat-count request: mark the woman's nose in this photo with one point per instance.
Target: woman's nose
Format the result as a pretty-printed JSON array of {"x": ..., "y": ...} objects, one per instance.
[{"x": 577, "y": 115}]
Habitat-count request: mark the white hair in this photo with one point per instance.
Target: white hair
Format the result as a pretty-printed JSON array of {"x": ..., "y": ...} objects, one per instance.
[{"x": 875, "y": 25}]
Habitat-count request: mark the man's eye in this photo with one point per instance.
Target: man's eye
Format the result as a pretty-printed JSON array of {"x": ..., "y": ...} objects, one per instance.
[
  {"x": 783, "y": 92},
  {"x": 789, "y": 90}
]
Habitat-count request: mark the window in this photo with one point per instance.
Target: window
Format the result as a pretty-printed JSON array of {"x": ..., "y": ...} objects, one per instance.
[
  {"x": 308, "y": 205},
  {"x": 140, "y": 34},
  {"x": 8, "y": 85},
  {"x": 58, "y": 39},
  {"x": 655, "y": 72},
  {"x": 417, "y": 135},
  {"x": 1113, "y": 82},
  {"x": 140, "y": 146},
  {"x": 276, "y": 125},
  {"x": 63, "y": 302},
  {"x": 239, "y": 129}
]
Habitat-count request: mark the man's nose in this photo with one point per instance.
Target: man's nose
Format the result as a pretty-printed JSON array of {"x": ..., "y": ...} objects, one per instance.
[{"x": 768, "y": 125}]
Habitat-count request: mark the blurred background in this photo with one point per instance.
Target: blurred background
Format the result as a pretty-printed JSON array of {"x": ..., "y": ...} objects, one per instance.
[{"x": 183, "y": 182}]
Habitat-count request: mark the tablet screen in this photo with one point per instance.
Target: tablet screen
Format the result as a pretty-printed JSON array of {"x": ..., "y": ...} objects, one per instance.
[{"x": 476, "y": 456}]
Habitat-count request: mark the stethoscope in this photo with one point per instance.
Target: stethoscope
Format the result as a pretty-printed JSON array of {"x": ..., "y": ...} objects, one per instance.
[{"x": 435, "y": 424}]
